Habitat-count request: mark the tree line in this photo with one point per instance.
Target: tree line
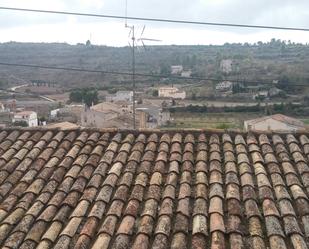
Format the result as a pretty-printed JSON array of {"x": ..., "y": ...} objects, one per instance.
[{"x": 88, "y": 96}]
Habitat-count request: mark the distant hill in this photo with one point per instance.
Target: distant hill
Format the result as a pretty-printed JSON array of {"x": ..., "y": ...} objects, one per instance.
[{"x": 271, "y": 60}]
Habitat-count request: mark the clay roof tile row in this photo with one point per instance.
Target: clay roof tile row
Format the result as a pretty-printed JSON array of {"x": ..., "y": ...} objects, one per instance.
[{"x": 153, "y": 189}]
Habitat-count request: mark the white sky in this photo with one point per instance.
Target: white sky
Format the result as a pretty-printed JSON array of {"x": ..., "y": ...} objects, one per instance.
[{"x": 36, "y": 27}]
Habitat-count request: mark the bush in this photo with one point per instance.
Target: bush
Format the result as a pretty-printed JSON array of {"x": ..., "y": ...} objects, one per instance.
[
  {"x": 222, "y": 126},
  {"x": 20, "y": 123}
]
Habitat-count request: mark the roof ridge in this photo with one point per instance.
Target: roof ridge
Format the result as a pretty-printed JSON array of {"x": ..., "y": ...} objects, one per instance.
[{"x": 151, "y": 130}]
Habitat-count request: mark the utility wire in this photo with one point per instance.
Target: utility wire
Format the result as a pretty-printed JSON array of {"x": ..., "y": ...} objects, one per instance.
[
  {"x": 156, "y": 19},
  {"x": 141, "y": 74}
]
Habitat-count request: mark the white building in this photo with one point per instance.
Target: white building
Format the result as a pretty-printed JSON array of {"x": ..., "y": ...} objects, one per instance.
[
  {"x": 2, "y": 108},
  {"x": 171, "y": 92},
  {"x": 124, "y": 96},
  {"x": 224, "y": 86},
  {"x": 186, "y": 74},
  {"x": 54, "y": 113},
  {"x": 277, "y": 122},
  {"x": 261, "y": 94},
  {"x": 177, "y": 69},
  {"x": 226, "y": 66},
  {"x": 164, "y": 117},
  {"x": 30, "y": 117},
  {"x": 274, "y": 91}
]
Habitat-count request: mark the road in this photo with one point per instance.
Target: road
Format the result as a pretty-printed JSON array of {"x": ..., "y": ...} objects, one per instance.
[
  {"x": 46, "y": 98},
  {"x": 13, "y": 89}
]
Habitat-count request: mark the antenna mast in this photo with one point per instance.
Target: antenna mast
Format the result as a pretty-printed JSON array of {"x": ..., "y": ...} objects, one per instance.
[
  {"x": 133, "y": 74},
  {"x": 134, "y": 42},
  {"x": 126, "y": 14},
  {"x": 132, "y": 32}
]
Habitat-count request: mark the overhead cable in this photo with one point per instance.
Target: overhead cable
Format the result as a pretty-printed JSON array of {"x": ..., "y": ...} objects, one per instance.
[{"x": 156, "y": 19}]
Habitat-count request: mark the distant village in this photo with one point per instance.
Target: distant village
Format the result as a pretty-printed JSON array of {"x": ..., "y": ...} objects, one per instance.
[{"x": 154, "y": 107}]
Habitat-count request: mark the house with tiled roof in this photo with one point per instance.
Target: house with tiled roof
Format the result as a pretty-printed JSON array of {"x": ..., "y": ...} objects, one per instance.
[
  {"x": 30, "y": 117},
  {"x": 276, "y": 122},
  {"x": 110, "y": 188}
]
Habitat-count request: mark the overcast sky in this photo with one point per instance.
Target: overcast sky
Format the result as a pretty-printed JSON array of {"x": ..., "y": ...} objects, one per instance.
[{"x": 37, "y": 27}]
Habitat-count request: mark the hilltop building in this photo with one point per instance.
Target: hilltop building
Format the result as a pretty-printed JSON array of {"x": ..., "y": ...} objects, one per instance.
[
  {"x": 226, "y": 66},
  {"x": 171, "y": 92},
  {"x": 186, "y": 74},
  {"x": 277, "y": 122},
  {"x": 177, "y": 69}
]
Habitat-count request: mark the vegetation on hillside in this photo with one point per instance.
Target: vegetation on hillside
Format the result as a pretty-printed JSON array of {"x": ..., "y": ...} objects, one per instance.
[{"x": 280, "y": 60}]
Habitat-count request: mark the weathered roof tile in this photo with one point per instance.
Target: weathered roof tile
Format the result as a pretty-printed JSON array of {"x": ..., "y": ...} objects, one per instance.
[{"x": 98, "y": 189}]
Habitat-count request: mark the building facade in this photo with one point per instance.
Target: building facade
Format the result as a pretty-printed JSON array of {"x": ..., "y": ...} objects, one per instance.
[
  {"x": 186, "y": 74},
  {"x": 164, "y": 117},
  {"x": 277, "y": 122},
  {"x": 30, "y": 117},
  {"x": 171, "y": 92},
  {"x": 121, "y": 96},
  {"x": 177, "y": 69},
  {"x": 108, "y": 115},
  {"x": 224, "y": 86},
  {"x": 226, "y": 66}
]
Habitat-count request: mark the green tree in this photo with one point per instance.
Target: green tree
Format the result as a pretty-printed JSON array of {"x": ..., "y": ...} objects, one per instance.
[
  {"x": 88, "y": 96},
  {"x": 76, "y": 96}
]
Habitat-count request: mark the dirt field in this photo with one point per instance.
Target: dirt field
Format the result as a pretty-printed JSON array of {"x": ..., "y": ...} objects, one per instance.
[
  {"x": 63, "y": 97},
  {"x": 42, "y": 90},
  {"x": 213, "y": 120}
]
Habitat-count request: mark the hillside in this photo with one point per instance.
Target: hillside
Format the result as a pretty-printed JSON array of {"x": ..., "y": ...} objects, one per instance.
[{"x": 262, "y": 61}]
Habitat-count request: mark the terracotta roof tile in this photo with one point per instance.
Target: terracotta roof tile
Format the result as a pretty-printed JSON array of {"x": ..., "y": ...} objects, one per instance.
[
  {"x": 201, "y": 146},
  {"x": 141, "y": 242},
  {"x": 273, "y": 226},
  {"x": 164, "y": 138},
  {"x": 189, "y": 138},
  {"x": 179, "y": 241},
  {"x": 102, "y": 189}
]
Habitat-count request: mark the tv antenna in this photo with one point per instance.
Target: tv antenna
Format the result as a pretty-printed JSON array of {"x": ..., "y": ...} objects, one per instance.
[
  {"x": 144, "y": 39},
  {"x": 133, "y": 46}
]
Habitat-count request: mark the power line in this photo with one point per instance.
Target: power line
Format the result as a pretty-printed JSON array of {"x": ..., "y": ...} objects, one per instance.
[
  {"x": 141, "y": 74},
  {"x": 156, "y": 19}
]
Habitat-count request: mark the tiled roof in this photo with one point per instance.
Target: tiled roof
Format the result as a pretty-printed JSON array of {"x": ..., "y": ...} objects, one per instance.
[
  {"x": 62, "y": 125},
  {"x": 151, "y": 189},
  {"x": 280, "y": 118}
]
